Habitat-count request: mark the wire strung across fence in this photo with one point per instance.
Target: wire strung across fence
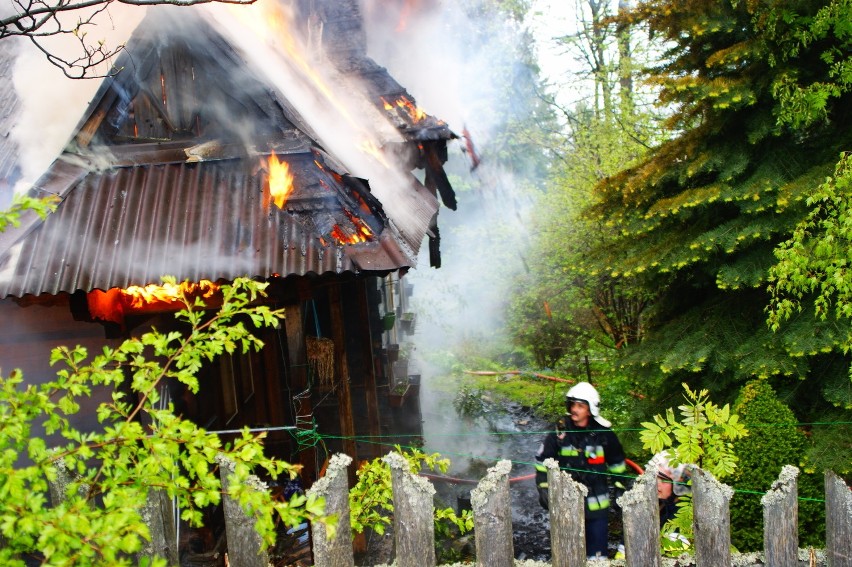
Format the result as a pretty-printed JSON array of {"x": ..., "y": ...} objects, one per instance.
[{"x": 370, "y": 440}]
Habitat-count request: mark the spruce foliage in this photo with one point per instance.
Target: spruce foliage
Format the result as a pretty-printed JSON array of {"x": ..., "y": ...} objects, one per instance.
[{"x": 698, "y": 220}]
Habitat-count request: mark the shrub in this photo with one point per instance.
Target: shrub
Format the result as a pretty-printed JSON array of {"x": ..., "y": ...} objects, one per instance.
[{"x": 768, "y": 447}]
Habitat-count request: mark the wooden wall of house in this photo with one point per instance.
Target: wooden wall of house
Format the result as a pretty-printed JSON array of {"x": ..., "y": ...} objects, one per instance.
[
  {"x": 258, "y": 389},
  {"x": 31, "y": 328}
]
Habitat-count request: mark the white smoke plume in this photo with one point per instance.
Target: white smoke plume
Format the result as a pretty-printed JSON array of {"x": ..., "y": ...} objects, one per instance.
[
  {"x": 348, "y": 125},
  {"x": 51, "y": 104},
  {"x": 446, "y": 56}
]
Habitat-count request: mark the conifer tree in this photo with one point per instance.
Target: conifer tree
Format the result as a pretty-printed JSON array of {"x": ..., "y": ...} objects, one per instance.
[{"x": 698, "y": 220}]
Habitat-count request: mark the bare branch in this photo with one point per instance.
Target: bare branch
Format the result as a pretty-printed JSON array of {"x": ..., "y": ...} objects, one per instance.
[{"x": 39, "y": 19}]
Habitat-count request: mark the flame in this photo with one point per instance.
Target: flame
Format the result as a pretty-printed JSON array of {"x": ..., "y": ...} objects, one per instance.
[
  {"x": 280, "y": 181},
  {"x": 369, "y": 147},
  {"x": 343, "y": 237},
  {"x": 361, "y": 227},
  {"x": 404, "y": 15},
  {"x": 413, "y": 111},
  {"x": 278, "y": 30},
  {"x": 362, "y": 232},
  {"x": 406, "y": 106},
  {"x": 137, "y": 297}
]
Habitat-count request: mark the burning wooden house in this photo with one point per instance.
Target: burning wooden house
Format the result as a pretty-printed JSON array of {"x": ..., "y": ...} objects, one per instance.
[{"x": 192, "y": 161}]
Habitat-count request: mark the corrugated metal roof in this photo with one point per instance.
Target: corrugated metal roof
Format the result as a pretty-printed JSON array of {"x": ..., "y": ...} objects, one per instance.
[
  {"x": 166, "y": 177},
  {"x": 132, "y": 225},
  {"x": 345, "y": 42}
]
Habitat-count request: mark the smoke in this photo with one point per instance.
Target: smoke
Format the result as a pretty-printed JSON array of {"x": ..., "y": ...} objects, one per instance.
[
  {"x": 51, "y": 104},
  {"x": 350, "y": 127},
  {"x": 459, "y": 68},
  {"x": 460, "y": 61}
]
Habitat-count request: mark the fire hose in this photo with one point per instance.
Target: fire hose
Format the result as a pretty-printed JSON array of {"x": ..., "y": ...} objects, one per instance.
[{"x": 455, "y": 480}]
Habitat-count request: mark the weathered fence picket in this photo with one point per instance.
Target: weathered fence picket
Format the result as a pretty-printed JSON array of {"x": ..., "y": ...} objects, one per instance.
[
  {"x": 838, "y": 521},
  {"x": 640, "y": 513},
  {"x": 245, "y": 546},
  {"x": 781, "y": 520},
  {"x": 711, "y": 522},
  {"x": 57, "y": 486},
  {"x": 159, "y": 515},
  {"x": 336, "y": 551},
  {"x": 414, "y": 528},
  {"x": 566, "y": 500},
  {"x": 414, "y": 510},
  {"x": 492, "y": 518}
]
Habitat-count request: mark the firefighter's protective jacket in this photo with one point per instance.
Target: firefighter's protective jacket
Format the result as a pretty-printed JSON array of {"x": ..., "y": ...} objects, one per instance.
[{"x": 589, "y": 454}]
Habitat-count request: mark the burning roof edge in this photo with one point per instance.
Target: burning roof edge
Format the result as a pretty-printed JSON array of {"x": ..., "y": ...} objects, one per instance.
[{"x": 127, "y": 225}]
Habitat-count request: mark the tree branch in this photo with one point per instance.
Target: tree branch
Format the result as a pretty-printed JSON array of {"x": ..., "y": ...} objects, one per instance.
[{"x": 38, "y": 19}]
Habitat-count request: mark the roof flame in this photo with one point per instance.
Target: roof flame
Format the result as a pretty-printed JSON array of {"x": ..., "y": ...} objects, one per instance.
[
  {"x": 280, "y": 182},
  {"x": 361, "y": 232},
  {"x": 416, "y": 113},
  {"x": 137, "y": 297},
  {"x": 407, "y": 107}
]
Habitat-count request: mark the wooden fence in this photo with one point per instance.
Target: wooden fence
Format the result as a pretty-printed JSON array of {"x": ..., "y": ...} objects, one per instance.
[{"x": 414, "y": 538}]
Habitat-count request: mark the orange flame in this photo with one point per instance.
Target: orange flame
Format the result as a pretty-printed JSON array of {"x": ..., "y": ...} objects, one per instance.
[
  {"x": 404, "y": 15},
  {"x": 415, "y": 113},
  {"x": 343, "y": 237},
  {"x": 362, "y": 232},
  {"x": 279, "y": 25},
  {"x": 137, "y": 297},
  {"x": 280, "y": 181},
  {"x": 360, "y": 226}
]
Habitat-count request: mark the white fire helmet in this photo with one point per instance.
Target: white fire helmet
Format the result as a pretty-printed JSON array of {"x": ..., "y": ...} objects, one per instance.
[
  {"x": 679, "y": 475},
  {"x": 585, "y": 392}
]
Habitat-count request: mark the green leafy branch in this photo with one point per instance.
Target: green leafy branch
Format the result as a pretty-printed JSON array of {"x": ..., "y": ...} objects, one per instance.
[
  {"x": 704, "y": 437},
  {"x": 371, "y": 499},
  {"x": 140, "y": 446},
  {"x": 23, "y": 203},
  {"x": 813, "y": 265}
]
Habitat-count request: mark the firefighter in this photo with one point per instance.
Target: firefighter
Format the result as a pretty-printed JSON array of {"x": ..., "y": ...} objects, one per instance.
[
  {"x": 673, "y": 482},
  {"x": 585, "y": 446}
]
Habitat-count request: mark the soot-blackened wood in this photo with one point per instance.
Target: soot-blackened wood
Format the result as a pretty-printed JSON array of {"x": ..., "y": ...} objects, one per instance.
[
  {"x": 159, "y": 515},
  {"x": 245, "y": 546},
  {"x": 341, "y": 373},
  {"x": 298, "y": 360},
  {"x": 367, "y": 366},
  {"x": 566, "y": 502},
  {"x": 413, "y": 515},
  {"x": 641, "y": 514},
  {"x": 334, "y": 487},
  {"x": 492, "y": 518},
  {"x": 711, "y": 520},
  {"x": 781, "y": 520},
  {"x": 838, "y": 521},
  {"x": 438, "y": 177}
]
